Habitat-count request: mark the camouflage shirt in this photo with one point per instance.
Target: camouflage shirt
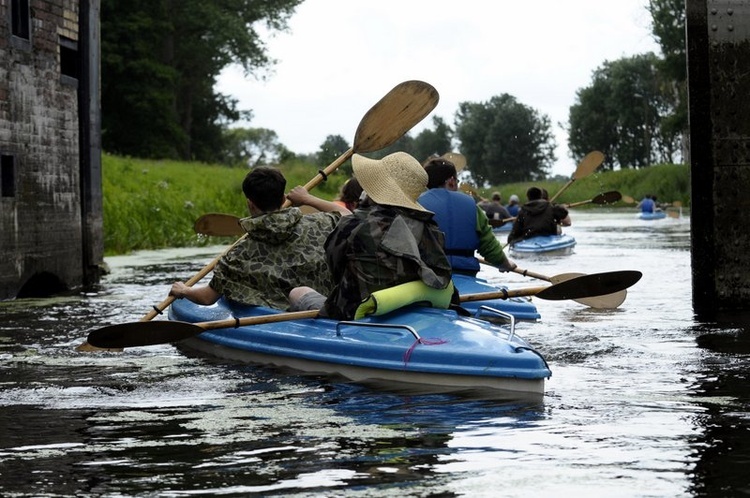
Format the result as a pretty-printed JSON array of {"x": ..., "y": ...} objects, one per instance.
[
  {"x": 380, "y": 247},
  {"x": 281, "y": 250}
]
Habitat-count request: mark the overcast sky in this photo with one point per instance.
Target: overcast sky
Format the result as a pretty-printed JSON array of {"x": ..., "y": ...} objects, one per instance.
[{"x": 341, "y": 56}]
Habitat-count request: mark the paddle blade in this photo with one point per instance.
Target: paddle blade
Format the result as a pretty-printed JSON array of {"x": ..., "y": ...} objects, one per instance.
[
  {"x": 607, "y": 197},
  {"x": 458, "y": 160},
  {"x": 130, "y": 335},
  {"x": 598, "y": 284},
  {"x": 218, "y": 225},
  {"x": 588, "y": 164},
  {"x": 607, "y": 301},
  {"x": 395, "y": 114}
]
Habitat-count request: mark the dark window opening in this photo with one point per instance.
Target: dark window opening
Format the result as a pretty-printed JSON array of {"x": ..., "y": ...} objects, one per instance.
[
  {"x": 7, "y": 176},
  {"x": 43, "y": 284},
  {"x": 69, "y": 57},
  {"x": 20, "y": 21}
]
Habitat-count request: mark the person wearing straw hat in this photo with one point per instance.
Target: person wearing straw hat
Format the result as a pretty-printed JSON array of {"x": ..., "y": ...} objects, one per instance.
[
  {"x": 394, "y": 240},
  {"x": 464, "y": 223}
]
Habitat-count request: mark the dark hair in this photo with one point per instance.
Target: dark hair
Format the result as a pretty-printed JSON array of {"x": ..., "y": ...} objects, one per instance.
[
  {"x": 351, "y": 191},
  {"x": 265, "y": 187},
  {"x": 534, "y": 193},
  {"x": 439, "y": 171}
]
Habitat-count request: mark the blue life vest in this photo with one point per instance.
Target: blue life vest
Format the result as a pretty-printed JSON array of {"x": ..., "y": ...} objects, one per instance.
[
  {"x": 647, "y": 205},
  {"x": 456, "y": 215}
]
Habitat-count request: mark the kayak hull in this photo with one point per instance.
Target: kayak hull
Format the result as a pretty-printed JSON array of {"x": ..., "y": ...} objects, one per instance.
[
  {"x": 411, "y": 349},
  {"x": 656, "y": 215}
]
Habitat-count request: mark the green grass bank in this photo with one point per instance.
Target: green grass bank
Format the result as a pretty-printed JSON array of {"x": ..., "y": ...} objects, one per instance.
[{"x": 154, "y": 204}]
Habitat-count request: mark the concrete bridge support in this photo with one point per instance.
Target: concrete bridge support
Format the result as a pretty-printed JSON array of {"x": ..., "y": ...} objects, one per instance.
[{"x": 718, "y": 46}]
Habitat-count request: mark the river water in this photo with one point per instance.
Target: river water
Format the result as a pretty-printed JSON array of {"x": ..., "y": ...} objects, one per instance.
[{"x": 643, "y": 400}]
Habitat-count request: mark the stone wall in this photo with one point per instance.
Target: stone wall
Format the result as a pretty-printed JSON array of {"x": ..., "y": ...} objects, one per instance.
[{"x": 41, "y": 218}]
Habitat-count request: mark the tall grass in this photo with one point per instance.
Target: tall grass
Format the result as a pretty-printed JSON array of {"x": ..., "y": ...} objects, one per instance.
[{"x": 154, "y": 204}]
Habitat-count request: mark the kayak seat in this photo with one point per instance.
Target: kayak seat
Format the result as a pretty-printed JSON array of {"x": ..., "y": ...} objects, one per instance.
[{"x": 390, "y": 299}]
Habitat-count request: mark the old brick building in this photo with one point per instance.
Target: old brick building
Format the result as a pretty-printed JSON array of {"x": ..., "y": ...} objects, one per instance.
[{"x": 50, "y": 153}]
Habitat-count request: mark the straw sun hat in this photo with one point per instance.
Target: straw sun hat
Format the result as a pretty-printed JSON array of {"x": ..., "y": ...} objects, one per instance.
[{"x": 396, "y": 180}]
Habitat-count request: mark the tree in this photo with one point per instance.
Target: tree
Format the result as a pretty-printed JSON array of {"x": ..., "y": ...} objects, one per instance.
[
  {"x": 621, "y": 114},
  {"x": 331, "y": 149},
  {"x": 668, "y": 26},
  {"x": 250, "y": 147},
  {"x": 160, "y": 61},
  {"x": 505, "y": 141},
  {"x": 433, "y": 141}
]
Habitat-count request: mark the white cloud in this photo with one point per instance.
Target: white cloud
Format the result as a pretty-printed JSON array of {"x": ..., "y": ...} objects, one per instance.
[{"x": 341, "y": 56}]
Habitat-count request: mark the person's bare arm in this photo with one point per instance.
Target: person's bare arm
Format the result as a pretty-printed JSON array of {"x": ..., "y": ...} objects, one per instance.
[
  {"x": 200, "y": 295},
  {"x": 299, "y": 196}
]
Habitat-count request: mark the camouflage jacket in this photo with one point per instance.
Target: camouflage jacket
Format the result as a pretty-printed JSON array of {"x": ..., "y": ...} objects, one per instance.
[
  {"x": 380, "y": 247},
  {"x": 282, "y": 250}
]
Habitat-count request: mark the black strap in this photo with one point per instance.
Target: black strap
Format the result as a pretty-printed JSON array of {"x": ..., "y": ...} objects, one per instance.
[{"x": 323, "y": 174}]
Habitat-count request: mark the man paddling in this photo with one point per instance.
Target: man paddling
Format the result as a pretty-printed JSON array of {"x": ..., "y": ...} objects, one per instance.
[
  {"x": 538, "y": 217},
  {"x": 283, "y": 248},
  {"x": 465, "y": 224}
]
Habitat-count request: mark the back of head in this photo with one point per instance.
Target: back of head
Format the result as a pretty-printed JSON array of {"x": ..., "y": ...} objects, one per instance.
[
  {"x": 439, "y": 171},
  {"x": 351, "y": 190},
  {"x": 514, "y": 199},
  {"x": 534, "y": 193},
  {"x": 496, "y": 196},
  {"x": 265, "y": 187}
]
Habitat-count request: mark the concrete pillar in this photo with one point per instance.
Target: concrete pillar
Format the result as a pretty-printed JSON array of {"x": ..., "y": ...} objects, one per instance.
[{"x": 718, "y": 46}]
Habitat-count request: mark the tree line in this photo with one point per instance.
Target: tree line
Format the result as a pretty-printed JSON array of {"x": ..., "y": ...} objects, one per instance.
[{"x": 161, "y": 60}]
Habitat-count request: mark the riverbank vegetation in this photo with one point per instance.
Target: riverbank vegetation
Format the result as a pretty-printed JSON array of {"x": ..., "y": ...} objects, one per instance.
[{"x": 151, "y": 204}]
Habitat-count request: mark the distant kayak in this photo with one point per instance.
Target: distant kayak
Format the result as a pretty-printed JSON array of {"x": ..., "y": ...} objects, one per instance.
[
  {"x": 656, "y": 215},
  {"x": 503, "y": 228},
  {"x": 544, "y": 244}
]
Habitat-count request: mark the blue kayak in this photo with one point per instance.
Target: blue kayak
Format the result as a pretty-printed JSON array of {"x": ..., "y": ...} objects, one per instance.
[
  {"x": 544, "y": 244},
  {"x": 506, "y": 228},
  {"x": 522, "y": 308},
  {"x": 412, "y": 349},
  {"x": 656, "y": 215}
]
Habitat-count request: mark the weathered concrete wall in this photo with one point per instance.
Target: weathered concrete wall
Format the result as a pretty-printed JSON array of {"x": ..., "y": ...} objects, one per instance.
[
  {"x": 718, "y": 38},
  {"x": 41, "y": 228}
]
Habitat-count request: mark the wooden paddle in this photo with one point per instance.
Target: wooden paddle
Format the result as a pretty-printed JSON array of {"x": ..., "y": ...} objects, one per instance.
[
  {"x": 606, "y": 301},
  {"x": 387, "y": 121},
  {"x": 605, "y": 198},
  {"x": 218, "y": 225},
  {"x": 384, "y": 123},
  {"x": 228, "y": 225},
  {"x": 150, "y": 333},
  {"x": 588, "y": 164},
  {"x": 458, "y": 160}
]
